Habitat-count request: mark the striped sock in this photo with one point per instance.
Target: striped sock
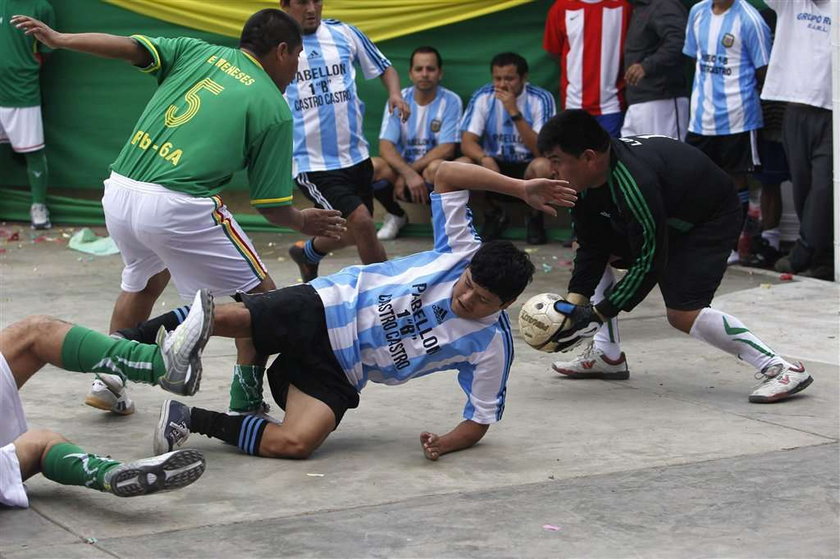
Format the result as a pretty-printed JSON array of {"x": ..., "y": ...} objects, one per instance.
[
  {"x": 311, "y": 253},
  {"x": 250, "y": 434}
]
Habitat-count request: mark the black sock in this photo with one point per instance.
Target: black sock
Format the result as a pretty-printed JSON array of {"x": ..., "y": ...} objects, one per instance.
[
  {"x": 145, "y": 332},
  {"x": 383, "y": 191},
  {"x": 244, "y": 431}
]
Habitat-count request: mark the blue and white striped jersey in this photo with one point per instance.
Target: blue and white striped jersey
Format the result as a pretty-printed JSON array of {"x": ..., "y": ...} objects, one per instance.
[
  {"x": 327, "y": 109},
  {"x": 487, "y": 118},
  {"x": 393, "y": 321},
  {"x": 728, "y": 48},
  {"x": 427, "y": 127}
]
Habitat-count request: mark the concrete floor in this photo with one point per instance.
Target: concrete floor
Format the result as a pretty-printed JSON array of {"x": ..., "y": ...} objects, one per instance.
[{"x": 673, "y": 462}]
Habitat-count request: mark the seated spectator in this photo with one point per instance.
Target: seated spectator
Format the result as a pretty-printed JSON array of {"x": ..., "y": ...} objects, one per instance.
[
  {"x": 499, "y": 131},
  {"x": 411, "y": 151}
]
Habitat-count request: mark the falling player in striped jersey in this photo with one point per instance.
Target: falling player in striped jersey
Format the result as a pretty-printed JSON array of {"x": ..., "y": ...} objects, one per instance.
[
  {"x": 438, "y": 310},
  {"x": 216, "y": 110},
  {"x": 332, "y": 164}
]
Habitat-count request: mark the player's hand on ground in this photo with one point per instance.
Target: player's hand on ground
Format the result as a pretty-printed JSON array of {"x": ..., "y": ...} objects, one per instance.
[
  {"x": 417, "y": 189},
  {"x": 634, "y": 74},
  {"x": 323, "y": 223},
  {"x": 431, "y": 445},
  {"x": 397, "y": 103},
  {"x": 544, "y": 194},
  {"x": 37, "y": 29}
]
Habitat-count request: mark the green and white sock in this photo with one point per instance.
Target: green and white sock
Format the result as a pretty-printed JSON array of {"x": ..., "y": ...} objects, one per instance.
[
  {"x": 729, "y": 334},
  {"x": 92, "y": 352},
  {"x": 68, "y": 464},
  {"x": 36, "y": 172},
  {"x": 246, "y": 388}
]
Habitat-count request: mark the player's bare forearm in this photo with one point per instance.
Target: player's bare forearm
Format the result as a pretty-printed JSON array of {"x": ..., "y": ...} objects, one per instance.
[
  {"x": 442, "y": 151},
  {"x": 464, "y": 435},
  {"x": 311, "y": 221},
  {"x": 391, "y": 81},
  {"x": 529, "y": 137},
  {"x": 389, "y": 153},
  {"x": 540, "y": 194},
  {"x": 98, "y": 44},
  {"x": 471, "y": 147}
]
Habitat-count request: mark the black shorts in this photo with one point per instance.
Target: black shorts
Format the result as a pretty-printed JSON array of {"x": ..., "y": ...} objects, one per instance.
[
  {"x": 341, "y": 189},
  {"x": 515, "y": 169},
  {"x": 697, "y": 259},
  {"x": 734, "y": 153},
  {"x": 290, "y": 321}
]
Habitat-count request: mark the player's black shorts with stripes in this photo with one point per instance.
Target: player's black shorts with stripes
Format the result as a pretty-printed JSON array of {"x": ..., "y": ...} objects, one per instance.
[
  {"x": 290, "y": 321},
  {"x": 734, "y": 153},
  {"x": 340, "y": 189}
]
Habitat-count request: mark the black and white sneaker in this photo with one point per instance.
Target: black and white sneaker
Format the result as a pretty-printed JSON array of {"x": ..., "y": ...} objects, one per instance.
[
  {"x": 181, "y": 348},
  {"x": 173, "y": 427},
  {"x": 157, "y": 474}
]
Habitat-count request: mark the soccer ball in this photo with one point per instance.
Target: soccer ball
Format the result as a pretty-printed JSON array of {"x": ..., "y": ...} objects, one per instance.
[{"x": 538, "y": 321}]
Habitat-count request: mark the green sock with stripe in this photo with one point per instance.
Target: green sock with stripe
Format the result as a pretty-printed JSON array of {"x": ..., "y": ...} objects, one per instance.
[
  {"x": 92, "y": 352},
  {"x": 68, "y": 464},
  {"x": 246, "y": 388},
  {"x": 36, "y": 172}
]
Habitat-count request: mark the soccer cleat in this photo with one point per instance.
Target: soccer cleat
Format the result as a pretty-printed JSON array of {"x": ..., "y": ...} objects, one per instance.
[
  {"x": 308, "y": 270},
  {"x": 261, "y": 411},
  {"x": 108, "y": 393},
  {"x": 391, "y": 227},
  {"x": 157, "y": 474},
  {"x": 173, "y": 427},
  {"x": 40, "y": 216},
  {"x": 592, "y": 363},
  {"x": 780, "y": 382},
  {"x": 181, "y": 349}
]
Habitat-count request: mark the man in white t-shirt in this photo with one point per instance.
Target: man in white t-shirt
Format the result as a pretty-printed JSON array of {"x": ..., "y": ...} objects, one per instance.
[
  {"x": 800, "y": 73},
  {"x": 26, "y": 346},
  {"x": 389, "y": 322}
]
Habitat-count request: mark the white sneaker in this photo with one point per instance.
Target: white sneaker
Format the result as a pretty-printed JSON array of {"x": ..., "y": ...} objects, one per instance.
[
  {"x": 181, "y": 348},
  {"x": 733, "y": 258},
  {"x": 40, "y": 216},
  {"x": 779, "y": 383},
  {"x": 261, "y": 411},
  {"x": 592, "y": 363},
  {"x": 108, "y": 393},
  {"x": 157, "y": 474},
  {"x": 391, "y": 227}
]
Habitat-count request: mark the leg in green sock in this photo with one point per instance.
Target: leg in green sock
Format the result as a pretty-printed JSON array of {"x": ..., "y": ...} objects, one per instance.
[
  {"x": 246, "y": 388},
  {"x": 36, "y": 171},
  {"x": 92, "y": 352},
  {"x": 68, "y": 464}
]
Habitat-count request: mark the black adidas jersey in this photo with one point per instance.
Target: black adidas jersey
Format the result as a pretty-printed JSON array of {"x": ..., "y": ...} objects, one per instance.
[{"x": 655, "y": 183}]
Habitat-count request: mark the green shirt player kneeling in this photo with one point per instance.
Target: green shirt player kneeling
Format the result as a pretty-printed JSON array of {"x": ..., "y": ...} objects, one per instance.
[{"x": 216, "y": 110}]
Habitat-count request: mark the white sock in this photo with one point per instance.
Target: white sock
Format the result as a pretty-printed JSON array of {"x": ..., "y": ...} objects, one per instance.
[
  {"x": 772, "y": 236},
  {"x": 729, "y": 334},
  {"x": 606, "y": 338}
]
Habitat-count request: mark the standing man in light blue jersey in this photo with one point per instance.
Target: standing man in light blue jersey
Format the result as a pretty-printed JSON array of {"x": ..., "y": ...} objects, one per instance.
[
  {"x": 730, "y": 43},
  {"x": 499, "y": 132},
  {"x": 411, "y": 151},
  {"x": 390, "y": 322},
  {"x": 331, "y": 160}
]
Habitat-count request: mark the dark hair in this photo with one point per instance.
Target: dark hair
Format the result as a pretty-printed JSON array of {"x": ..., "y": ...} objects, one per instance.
[
  {"x": 268, "y": 28},
  {"x": 502, "y": 269},
  {"x": 573, "y": 131},
  {"x": 510, "y": 58},
  {"x": 425, "y": 50}
]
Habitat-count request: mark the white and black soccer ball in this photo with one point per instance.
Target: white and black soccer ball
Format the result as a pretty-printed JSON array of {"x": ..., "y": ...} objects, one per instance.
[{"x": 538, "y": 321}]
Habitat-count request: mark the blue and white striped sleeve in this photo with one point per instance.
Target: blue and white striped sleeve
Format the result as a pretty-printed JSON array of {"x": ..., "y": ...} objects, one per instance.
[
  {"x": 544, "y": 110},
  {"x": 451, "y": 119},
  {"x": 370, "y": 58},
  {"x": 390, "y": 129},
  {"x": 690, "y": 46},
  {"x": 484, "y": 381},
  {"x": 757, "y": 38},
  {"x": 452, "y": 222},
  {"x": 475, "y": 117}
]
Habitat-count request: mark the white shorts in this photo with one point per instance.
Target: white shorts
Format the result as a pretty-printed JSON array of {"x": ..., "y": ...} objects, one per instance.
[
  {"x": 13, "y": 425},
  {"x": 22, "y": 127},
  {"x": 665, "y": 117},
  {"x": 196, "y": 239}
]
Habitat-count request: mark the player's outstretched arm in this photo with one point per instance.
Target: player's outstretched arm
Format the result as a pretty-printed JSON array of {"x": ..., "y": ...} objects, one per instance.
[
  {"x": 465, "y": 435},
  {"x": 541, "y": 194},
  {"x": 311, "y": 221},
  {"x": 99, "y": 44}
]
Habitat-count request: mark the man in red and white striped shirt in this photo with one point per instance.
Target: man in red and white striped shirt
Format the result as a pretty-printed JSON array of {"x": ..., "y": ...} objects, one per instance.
[{"x": 587, "y": 37}]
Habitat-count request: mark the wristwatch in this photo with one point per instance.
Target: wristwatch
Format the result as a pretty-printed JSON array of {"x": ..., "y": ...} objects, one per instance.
[{"x": 516, "y": 118}]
